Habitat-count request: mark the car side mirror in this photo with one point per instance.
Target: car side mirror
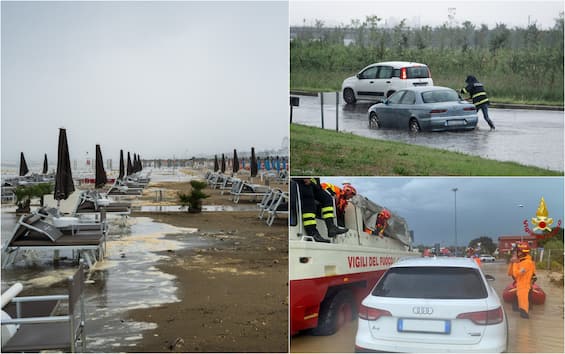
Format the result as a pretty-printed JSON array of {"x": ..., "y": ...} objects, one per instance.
[
  {"x": 358, "y": 76},
  {"x": 489, "y": 277}
]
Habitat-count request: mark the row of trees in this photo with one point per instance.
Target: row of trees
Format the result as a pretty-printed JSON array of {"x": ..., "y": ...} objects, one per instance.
[{"x": 371, "y": 33}]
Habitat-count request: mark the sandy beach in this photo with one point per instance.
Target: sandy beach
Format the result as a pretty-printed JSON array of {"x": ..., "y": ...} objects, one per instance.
[{"x": 233, "y": 292}]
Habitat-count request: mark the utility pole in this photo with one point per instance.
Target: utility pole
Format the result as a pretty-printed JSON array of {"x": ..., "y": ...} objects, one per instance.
[{"x": 455, "y": 216}]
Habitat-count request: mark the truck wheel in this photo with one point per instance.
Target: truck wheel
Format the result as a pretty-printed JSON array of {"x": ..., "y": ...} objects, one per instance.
[{"x": 335, "y": 312}]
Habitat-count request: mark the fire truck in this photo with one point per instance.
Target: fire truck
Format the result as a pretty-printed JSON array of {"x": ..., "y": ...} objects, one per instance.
[{"x": 328, "y": 281}]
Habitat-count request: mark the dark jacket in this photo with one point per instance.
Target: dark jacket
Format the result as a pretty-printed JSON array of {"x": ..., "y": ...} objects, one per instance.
[{"x": 476, "y": 90}]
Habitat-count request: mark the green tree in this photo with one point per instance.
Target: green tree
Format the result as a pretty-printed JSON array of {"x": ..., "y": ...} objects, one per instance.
[
  {"x": 194, "y": 199},
  {"x": 486, "y": 244}
]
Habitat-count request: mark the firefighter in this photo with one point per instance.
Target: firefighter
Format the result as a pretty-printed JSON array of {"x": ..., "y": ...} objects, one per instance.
[
  {"x": 342, "y": 196},
  {"x": 381, "y": 223},
  {"x": 311, "y": 191},
  {"x": 479, "y": 96},
  {"x": 522, "y": 271}
]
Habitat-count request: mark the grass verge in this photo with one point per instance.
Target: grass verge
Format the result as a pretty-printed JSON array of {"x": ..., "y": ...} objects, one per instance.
[{"x": 315, "y": 151}]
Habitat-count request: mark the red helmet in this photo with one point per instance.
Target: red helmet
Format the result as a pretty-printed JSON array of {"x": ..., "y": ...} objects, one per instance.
[
  {"x": 349, "y": 191},
  {"x": 385, "y": 213},
  {"x": 523, "y": 247}
]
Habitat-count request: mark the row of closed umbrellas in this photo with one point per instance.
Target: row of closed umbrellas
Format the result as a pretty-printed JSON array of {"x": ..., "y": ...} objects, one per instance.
[
  {"x": 277, "y": 163},
  {"x": 64, "y": 184}
]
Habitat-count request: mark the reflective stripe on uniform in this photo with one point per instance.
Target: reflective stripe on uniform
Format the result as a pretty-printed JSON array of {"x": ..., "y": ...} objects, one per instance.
[
  {"x": 308, "y": 216},
  {"x": 328, "y": 215},
  {"x": 309, "y": 222},
  {"x": 327, "y": 209},
  {"x": 464, "y": 90},
  {"x": 481, "y": 102},
  {"x": 479, "y": 94}
]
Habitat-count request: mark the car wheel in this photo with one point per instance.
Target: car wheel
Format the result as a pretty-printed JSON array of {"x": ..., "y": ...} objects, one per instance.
[
  {"x": 374, "y": 122},
  {"x": 414, "y": 126},
  {"x": 349, "y": 96},
  {"x": 335, "y": 312},
  {"x": 389, "y": 93}
]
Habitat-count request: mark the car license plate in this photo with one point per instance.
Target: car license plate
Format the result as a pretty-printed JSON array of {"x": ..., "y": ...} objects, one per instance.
[
  {"x": 455, "y": 122},
  {"x": 424, "y": 326}
]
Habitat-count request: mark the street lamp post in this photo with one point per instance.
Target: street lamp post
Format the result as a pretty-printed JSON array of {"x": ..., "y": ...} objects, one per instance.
[{"x": 455, "y": 217}]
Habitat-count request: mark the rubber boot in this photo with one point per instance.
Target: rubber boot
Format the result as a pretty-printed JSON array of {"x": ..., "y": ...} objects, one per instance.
[
  {"x": 515, "y": 307},
  {"x": 334, "y": 230},
  {"x": 312, "y": 231},
  {"x": 524, "y": 314}
]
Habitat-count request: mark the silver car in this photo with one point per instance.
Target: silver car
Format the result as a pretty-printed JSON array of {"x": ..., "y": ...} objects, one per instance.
[
  {"x": 443, "y": 304},
  {"x": 424, "y": 108}
]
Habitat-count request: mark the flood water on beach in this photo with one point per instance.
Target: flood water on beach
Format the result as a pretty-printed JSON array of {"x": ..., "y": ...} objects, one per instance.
[
  {"x": 127, "y": 279},
  {"x": 542, "y": 333}
]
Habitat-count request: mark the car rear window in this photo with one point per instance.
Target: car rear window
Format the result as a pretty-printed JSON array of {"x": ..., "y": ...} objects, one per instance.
[
  {"x": 435, "y": 96},
  {"x": 431, "y": 283},
  {"x": 417, "y": 72}
]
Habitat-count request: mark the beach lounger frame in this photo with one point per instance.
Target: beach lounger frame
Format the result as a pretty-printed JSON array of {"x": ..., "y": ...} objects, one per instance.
[
  {"x": 238, "y": 187},
  {"x": 90, "y": 253},
  {"x": 278, "y": 200},
  {"x": 39, "y": 332},
  {"x": 115, "y": 208}
]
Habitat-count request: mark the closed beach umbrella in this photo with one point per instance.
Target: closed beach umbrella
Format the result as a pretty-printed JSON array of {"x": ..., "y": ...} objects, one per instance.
[
  {"x": 129, "y": 168},
  {"x": 267, "y": 163},
  {"x": 223, "y": 169},
  {"x": 122, "y": 167},
  {"x": 140, "y": 167},
  {"x": 100, "y": 176},
  {"x": 23, "y": 165},
  {"x": 235, "y": 166},
  {"x": 253, "y": 163},
  {"x": 277, "y": 163},
  {"x": 216, "y": 164},
  {"x": 45, "y": 165},
  {"x": 64, "y": 185}
]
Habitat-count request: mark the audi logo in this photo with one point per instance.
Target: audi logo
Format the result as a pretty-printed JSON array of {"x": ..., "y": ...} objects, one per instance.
[{"x": 422, "y": 310}]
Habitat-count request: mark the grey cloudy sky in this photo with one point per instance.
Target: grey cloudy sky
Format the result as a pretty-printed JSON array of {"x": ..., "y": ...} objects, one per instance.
[
  {"x": 156, "y": 78},
  {"x": 485, "y": 206},
  {"x": 510, "y": 12}
]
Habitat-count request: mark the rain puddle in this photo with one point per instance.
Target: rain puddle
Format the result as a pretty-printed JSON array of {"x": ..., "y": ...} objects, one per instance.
[
  {"x": 127, "y": 279},
  {"x": 179, "y": 208}
]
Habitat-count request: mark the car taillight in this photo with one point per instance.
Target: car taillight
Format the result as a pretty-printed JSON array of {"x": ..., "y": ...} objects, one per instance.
[
  {"x": 371, "y": 314},
  {"x": 403, "y": 74},
  {"x": 469, "y": 109},
  {"x": 438, "y": 111},
  {"x": 484, "y": 317}
]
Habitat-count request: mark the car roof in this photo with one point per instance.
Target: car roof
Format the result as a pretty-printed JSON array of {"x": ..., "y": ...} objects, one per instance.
[
  {"x": 426, "y": 88},
  {"x": 399, "y": 64},
  {"x": 436, "y": 262}
]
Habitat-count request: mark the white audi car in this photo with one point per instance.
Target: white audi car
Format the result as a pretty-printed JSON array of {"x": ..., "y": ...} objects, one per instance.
[{"x": 427, "y": 304}]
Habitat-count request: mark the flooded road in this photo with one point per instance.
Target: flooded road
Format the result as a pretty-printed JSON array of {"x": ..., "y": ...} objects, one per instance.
[
  {"x": 127, "y": 279},
  {"x": 542, "y": 333},
  {"x": 525, "y": 136}
]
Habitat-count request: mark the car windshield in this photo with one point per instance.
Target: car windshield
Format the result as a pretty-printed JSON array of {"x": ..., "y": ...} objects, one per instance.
[
  {"x": 431, "y": 283},
  {"x": 435, "y": 96}
]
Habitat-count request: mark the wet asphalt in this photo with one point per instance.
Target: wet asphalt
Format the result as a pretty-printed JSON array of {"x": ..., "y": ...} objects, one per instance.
[{"x": 528, "y": 137}]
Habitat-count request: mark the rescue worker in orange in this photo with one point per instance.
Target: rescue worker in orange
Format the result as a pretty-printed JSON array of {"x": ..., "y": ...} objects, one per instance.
[
  {"x": 341, "y": 196},
  {"x": 381, "y": 223},
  {"x": 523, "y": 269}
]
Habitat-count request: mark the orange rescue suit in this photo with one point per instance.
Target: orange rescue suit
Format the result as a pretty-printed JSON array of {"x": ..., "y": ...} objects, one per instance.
[{"x": 522, "y": 273}]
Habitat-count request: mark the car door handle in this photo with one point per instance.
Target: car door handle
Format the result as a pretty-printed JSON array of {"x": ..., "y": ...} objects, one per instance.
[
  {"x": 371, "y": 82},
  {"x": 388, "y": 82}
]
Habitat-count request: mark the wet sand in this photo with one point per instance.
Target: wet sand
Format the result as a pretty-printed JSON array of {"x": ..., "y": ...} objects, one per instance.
[{"x": 233, "y": 291}]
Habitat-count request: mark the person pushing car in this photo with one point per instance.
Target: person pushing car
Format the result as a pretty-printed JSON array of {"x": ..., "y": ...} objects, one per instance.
[{"x": 479, "y": 96}]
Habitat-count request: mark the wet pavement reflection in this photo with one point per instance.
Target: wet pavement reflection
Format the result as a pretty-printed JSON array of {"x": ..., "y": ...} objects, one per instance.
[
  {"x": 127, "y": 279},
  {"x": 542, "y": 333},
  {"x": 525, "y": 136}
]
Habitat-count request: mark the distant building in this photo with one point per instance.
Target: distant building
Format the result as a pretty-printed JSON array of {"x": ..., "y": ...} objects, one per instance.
[{"x": 505, "y": 242}]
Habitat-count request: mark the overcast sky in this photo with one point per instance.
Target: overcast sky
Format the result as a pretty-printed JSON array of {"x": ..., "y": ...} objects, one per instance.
[
  {"x": 485, "y": 206},
  {"x": 433, "y": 13},
  {"x": 159, "y": 79}
]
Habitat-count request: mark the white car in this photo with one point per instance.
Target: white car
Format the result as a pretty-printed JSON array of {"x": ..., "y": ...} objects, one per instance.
[
  {"x": 380, "y": 80},
  {"x": 443, "y": 304},
  {"x": 487, "y": 258}
]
